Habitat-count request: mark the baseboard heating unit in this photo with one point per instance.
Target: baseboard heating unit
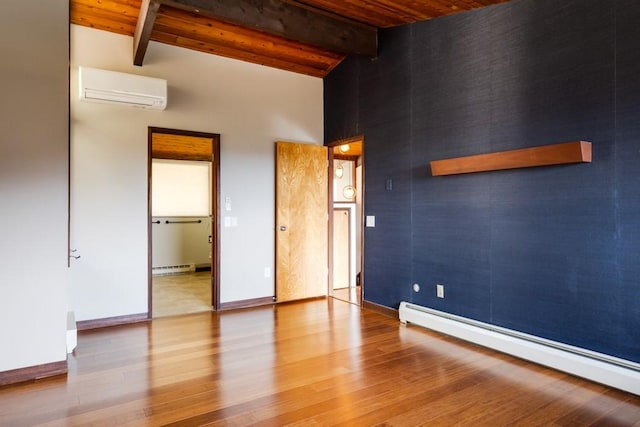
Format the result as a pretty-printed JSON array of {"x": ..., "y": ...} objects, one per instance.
[
  {"x": 614, "y": 372},
  {"x": 172, "y": 269}
]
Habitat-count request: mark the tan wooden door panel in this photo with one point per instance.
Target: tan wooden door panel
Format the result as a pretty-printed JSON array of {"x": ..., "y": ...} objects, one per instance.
[
  {"x": 301, "y": 221},
  {"x": 341, "y": 253}
]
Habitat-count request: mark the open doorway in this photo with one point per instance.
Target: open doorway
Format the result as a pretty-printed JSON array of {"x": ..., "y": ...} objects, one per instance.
[
  {"x": 183, "y": 190},
  {"x": 346, "y": 219}
]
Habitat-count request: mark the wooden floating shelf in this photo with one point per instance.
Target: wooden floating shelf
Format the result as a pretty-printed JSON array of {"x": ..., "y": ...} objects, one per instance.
[{"x": 545, "y": 155}]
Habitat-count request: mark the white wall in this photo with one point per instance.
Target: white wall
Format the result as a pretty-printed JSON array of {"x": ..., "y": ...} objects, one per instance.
[
  {"x": 180, "y": 194},
  {"x": 33, "y": 182},
  {"x": 250, "y": 106},
  {"x": 182, "y": 241}
]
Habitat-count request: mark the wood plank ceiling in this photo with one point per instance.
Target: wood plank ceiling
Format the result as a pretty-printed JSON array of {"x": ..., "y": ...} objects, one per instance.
[{"x": 305, "y": 36}]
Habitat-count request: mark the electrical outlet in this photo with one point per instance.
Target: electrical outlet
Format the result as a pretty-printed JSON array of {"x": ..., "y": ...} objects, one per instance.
[{"x": 440, "y": 291}]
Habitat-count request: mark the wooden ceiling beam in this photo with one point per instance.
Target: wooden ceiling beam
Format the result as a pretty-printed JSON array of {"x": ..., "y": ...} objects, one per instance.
[
  {"x": 144, "y": 27},
  {"x": 254, "y": 58},
  {"x": 295, "y": 22},
  {"x": 223, "y": 34}
]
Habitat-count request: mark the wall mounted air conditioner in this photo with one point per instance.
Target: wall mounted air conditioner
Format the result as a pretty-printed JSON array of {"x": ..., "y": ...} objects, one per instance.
[{"x": 120, "y": 88}]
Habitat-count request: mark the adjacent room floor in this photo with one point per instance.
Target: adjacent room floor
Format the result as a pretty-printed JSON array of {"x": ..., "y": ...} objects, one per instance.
[
  {"x": 181, "y": 293},
  {"x": 352, "y": 294}
]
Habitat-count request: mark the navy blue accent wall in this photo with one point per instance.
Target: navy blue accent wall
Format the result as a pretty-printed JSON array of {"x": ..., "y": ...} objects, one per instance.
[
  {"x": 552, "y": 251},
  {"x": 388, "y": 156},
  {"x": 627, "y": 162}
]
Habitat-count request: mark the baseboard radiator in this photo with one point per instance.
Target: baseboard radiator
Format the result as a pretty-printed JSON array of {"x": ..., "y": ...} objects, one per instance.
[
  {"x": 172, "y": 269},
  {"x": 614, "y": 372}
]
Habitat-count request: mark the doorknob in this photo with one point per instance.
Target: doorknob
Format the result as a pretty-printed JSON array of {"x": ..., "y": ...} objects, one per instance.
[{"x": 283, "y": 228}]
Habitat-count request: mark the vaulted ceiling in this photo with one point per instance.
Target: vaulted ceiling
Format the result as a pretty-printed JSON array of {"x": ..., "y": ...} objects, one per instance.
[{"x": 304, "y": 36}]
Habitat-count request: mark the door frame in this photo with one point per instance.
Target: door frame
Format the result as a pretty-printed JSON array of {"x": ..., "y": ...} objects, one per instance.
[
  {"x": 359, "y": 161},
  {"x": 215, "y": 210}
]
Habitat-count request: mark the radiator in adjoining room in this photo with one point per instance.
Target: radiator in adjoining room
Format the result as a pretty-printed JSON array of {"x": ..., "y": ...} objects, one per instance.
[{"x": 172, "y": 269}]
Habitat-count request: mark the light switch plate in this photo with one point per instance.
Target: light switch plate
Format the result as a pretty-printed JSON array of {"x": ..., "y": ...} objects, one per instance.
[{"x": 370, "y": 221}]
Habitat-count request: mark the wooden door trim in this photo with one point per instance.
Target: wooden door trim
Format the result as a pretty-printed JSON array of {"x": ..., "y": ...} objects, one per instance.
[
  {"x": 330, "y": 225},
  {"x": 215, "y": 207},
  {"x": 359, "y": 162}
]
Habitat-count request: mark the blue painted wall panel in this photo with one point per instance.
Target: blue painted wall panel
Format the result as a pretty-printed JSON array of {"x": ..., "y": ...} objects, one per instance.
[
  {"x": 627, "y": 160},
  {"x": 553, "y": 246},
  {"x": 451, "y": 94},
  {"x": 387, "y": 155}
]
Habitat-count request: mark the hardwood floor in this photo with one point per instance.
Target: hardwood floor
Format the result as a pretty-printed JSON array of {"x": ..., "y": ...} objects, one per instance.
[
  {"x": 322, "y": 362},
  {"x": 352, "y": 294},
  {"x": 181, "y": 293}
]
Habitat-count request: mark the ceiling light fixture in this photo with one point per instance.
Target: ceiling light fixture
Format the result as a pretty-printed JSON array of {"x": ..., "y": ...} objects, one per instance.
[{"x": 349, "y": 191}]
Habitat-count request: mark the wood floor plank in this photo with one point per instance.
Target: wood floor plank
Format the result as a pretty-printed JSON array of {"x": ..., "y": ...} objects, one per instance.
[{"x": 322, "y": 362}]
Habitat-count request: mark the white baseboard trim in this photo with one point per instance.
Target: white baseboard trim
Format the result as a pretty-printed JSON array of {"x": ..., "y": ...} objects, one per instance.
[{"x": 614, "y": 372}]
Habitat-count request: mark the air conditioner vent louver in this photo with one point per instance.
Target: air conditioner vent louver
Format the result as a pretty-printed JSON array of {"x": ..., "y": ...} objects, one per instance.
[
  {"x": 121, "y": 88},
  {"x": 122, "y": 97}
]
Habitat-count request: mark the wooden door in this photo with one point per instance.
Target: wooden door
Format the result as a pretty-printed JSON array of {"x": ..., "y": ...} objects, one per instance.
[
  {"x": 302, "y": 217},
  {"x": 341, "y": 248}
]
